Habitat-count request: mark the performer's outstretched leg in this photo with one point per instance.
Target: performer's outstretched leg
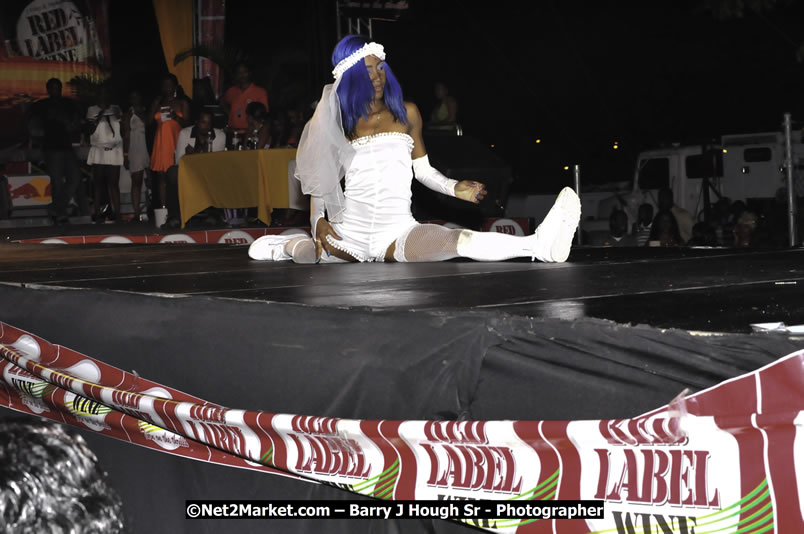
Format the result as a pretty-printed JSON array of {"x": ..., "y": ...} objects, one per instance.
[
  {"x": 431, "y": 242},
  {"x": 550, "y": 243},
  {"x": 299, "y": 248}
]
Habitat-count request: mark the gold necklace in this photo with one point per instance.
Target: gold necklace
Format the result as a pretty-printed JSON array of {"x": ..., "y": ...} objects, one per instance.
[{"x": 376, "y": 126}]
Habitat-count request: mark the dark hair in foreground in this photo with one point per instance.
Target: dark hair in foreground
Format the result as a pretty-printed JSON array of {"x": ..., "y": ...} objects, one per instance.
[
  {"x": 50, "y": 481},
  {"x": 356, "y": 92}
]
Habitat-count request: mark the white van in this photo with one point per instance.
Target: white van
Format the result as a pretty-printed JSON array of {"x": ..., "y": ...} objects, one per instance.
[{"x": 743, "y": 167}]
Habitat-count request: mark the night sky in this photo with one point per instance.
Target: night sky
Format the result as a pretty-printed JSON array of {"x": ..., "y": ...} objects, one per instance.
[{"x": 577, "y": 75}]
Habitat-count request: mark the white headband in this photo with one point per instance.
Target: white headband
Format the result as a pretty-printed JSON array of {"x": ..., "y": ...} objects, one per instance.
[{"x": 368, "y": 49}]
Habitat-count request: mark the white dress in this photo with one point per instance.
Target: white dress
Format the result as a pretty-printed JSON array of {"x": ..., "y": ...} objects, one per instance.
[
  {"x": 138, "y": 158},
  {"x": 377, "y": 196},
  {"x": 106, "y": 142}
]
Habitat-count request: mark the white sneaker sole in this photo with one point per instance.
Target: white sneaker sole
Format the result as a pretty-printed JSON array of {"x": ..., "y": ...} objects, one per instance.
[
  {"x": 270, "y": 248},
  {"x": 567, "y": 209}
]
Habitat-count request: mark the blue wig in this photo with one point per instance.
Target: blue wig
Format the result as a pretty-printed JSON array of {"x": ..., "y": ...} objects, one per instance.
[{"x": 356, "y": 92}]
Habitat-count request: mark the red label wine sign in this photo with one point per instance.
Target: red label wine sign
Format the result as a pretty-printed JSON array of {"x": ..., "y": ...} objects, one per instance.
[{"x": 729, "y": 459}]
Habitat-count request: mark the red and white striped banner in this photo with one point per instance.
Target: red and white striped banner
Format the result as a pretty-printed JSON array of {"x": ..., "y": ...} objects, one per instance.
[
  {"x": 243, "y": 236},
  {"x": 729, "y": 459}
]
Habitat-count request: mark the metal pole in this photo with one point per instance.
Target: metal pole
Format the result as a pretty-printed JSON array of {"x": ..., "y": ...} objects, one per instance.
[
  {"x": 338, "y": 18},
  {"x": 791, "y": 193},
  {"x": 576, "y": 171},
  {"x": 197, "y": 10}
]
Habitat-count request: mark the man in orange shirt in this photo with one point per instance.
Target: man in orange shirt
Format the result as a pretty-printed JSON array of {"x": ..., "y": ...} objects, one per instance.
[{"x": 240, "y": 95}]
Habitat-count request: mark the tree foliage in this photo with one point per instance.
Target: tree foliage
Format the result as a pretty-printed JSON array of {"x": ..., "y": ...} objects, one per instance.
[{"x": 731, "y": 9}]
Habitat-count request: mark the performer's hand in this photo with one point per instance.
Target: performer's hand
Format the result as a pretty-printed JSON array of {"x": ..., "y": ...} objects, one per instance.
[
  {"x": 322, "y": 230},
  {"x": 470, "y": 191},
  {"x": 126, "y": 162}
]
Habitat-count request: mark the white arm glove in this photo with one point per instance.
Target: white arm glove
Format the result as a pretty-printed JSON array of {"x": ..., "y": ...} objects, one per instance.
[
  {"x": 317, "y": 211},
  {"x": 431, "y": 178}
]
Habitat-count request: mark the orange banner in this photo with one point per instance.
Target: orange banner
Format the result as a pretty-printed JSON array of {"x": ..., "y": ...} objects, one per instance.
[{"x": 175, "y": 19}]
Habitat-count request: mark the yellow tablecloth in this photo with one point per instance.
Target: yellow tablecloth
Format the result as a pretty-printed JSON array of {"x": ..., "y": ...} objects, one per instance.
[{"x": 236, "y": 179}]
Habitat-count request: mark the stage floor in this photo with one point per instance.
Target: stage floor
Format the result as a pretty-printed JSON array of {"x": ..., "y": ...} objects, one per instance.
[
  {"x": 692, "y": 289},
  {"x": 473, "y": 353}
]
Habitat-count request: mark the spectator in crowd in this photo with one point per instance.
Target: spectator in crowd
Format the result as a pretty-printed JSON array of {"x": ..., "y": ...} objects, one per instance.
[
  {"x": 203, "y": 95},
  {"x": 641, "y": 230},
  {"x": 239, "y": 96},
  {"x": 105, "y": 153},
  {"x": 618, "y": 232},
  {"x": 732, "y": 212},
  {"x": 745, "y": 230},
  {"x": 445, "y": 113},
  {"x": 171, "y": 112},
  {"x": 703, "y": 235},
  {"x": 191, "y": 140},
  {"x": 736, "y": 210},
  {"x": 259, "y": 128},
  {"x": 200, "y": 138},
  {"x": 135, "y": 151},
  {"x": 295, "y": 125},
  {"x": 279, "y": 136},
  {"x": 720, "y": 219},
  {"x": 54, "y": 124},
  {"x": 664, "y": 231},
  {"x": 684, "y": 220}
]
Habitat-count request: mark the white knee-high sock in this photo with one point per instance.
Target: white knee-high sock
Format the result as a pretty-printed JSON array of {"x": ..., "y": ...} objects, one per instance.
[
  {"x": 302, "y": 250},
  {"x": 551, "y": 242},
  {"x": 493, "y": 246}
]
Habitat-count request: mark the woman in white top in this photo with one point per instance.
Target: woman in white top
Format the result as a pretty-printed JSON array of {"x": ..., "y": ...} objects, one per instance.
[
  {"x": 105, "y": 152},
  {"x": 135, "y": 151},
  {"x": 364, "y": 130}
]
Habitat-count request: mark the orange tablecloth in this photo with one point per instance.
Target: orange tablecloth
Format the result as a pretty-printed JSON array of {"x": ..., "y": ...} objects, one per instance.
[{"x": 236, "y": 179}]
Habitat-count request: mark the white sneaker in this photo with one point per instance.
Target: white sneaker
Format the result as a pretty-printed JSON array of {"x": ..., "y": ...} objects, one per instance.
[
  {"x": 270, "y": 247},
  {"x": 554, "y": 235}
]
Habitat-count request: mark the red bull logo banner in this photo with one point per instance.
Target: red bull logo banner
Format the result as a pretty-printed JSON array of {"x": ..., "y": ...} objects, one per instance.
[
  {"x": 729, "y": 459},
  {"x": 29, "y": 191}
]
